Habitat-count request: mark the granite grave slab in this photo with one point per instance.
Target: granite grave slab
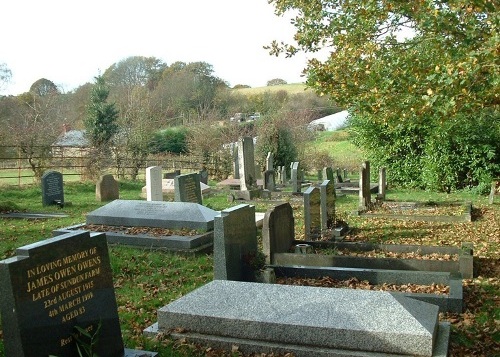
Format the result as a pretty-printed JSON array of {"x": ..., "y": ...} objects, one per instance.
[{"x": 308, "y": 317}]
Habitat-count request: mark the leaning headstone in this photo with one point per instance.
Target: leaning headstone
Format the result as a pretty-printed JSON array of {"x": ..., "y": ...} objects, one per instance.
[
  {"x": 52, "y": 188},
  {"x": 296, "y": 182},
  {"x": 54, "y": 286},
  {"x": 382, "y": 183},
  {"x": 246, "y": 164},
  {"x": 328, "y": 197},
  {"x": 107, "y": 189},
  {"x": 278, "y": 230},
  {"x": 235, "y": 243},
  {"x": 153, "y": 184},
  {"x": 312, "y": 213},
  {"x": 187, "y": 188}
]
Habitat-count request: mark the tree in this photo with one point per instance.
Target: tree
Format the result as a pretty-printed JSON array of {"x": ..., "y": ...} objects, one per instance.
[
  {"x": 135, "y": 71},
  {"x": 445, "y": 70},
  {"x": 276, "y": 82},
  {"x": 43, "y": 87},
  {"x": 100, "y": 126}
]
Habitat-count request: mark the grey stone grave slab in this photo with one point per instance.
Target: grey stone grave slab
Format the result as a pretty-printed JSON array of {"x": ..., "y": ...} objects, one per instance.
[
  {"x": 107, "y": 189},
  {"x": 52, "y": 188},
  {"x": 382, "y": 183},
  {"x": 328, "y": 174},
  {"x": 248, "y": 178},
  {"x": 312, "y": 213},
  {"x": 154, "y": 183},
  {"x": 204, "y": 176},
  {"x": 50, "y": 287},
  {"x": 269, "y": 183},
  {"x": 315, "y": 317},
  {"x": 173, "y": 215},
  {"x": 235, "y": 243},
  {"x": 278, "y": 230},
  {"x": 187, "y": 188}
]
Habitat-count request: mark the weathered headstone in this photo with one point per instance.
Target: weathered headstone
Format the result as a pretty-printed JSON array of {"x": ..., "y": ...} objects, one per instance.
[
  {"x": 382, "y": 183},
  {"x": 364, "y": 186},
  {"x": 187, "y": 188},
  {"x": 328, "y": 174},
  {"x": 51, "y": 287},
  {"x": 153, "y": 184},
  {"x": 107, "y": 189},
  {"x": 246, "y": 164},
  {"x": 269, "y": 161},
  {"x": 296, "y": 182},
  {"x": 328, "y": 197},
  {"x": 339, "y": 175},
  {"x": 236, "y": 163},
  {"x": 283, "y": 175},
  {"x": 52, "y": 188},
  {"x": 235, "y": 243},
  {"x": 269, "y": 183},
  {"x": 278, "y": 230},
  {"x": 312, "y": 213},
  {"x": 495, "y": 189},
  {"x": 204, "y": 176}
]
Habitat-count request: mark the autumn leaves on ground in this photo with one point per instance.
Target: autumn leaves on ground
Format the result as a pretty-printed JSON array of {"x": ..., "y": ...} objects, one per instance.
[{"x": 146, "y": 280}]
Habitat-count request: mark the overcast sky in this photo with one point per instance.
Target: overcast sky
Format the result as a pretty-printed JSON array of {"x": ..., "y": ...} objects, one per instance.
[{"x": 70, "y": 42}]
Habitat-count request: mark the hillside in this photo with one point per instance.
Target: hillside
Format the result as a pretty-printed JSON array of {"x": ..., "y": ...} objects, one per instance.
[{"x": 292, "y": 88}]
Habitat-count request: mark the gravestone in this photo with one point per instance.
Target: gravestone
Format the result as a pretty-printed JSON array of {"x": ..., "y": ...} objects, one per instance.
[
  {"x": 235, "y": 243},
  {"x": 159, "y": 214},
  {"x": 107, "y": 189},
  {"x": 187, "y": 188},
  {"x": 306, "y": 321},
  {"x": 246, "y": 164},
  {"x": 50, "y": 287},
  {"x": 283, "y": 175},
  {"x": 278, "y": 230},
  {"x": 269, "y": 183},
  {"x": 52, "y": 188},
  {"x": 364, "y": 186},
  {"x": 382, "y": 183},
  {"x": 171, "y": 175},
  {"x": 236, "y": 162},
  {"x": 269, "y": 161},
  {"x": 339, "y": 176},
  {"x": 154, "y": 183},
  {"x": 328, "y": 197},
  {"x": 328, "y": 174},
  {"x": 204, "y": 176},
  {"x": 312, "y": 213},
  {"x": 296, "y": 184}
]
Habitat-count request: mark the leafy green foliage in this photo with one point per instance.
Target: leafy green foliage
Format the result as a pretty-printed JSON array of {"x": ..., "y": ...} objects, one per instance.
[
  {"x": 173, "y": 140},
  {"x": 408, "y": 92}
]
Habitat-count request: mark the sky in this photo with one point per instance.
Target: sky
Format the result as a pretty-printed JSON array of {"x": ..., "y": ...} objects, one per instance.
[{"x": 71, "y": 42}]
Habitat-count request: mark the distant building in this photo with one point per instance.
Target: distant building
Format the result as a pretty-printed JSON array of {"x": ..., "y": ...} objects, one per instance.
[{"x": 70, "y": 143}]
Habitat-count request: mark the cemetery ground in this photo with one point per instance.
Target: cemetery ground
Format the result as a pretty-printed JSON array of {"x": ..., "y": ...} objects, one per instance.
[{"x": 147, "y": 279}]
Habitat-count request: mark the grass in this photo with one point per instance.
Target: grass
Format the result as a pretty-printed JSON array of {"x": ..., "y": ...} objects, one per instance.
[
  {"x": 147, "y": 279},
  {"x": 292, "y": 88}
]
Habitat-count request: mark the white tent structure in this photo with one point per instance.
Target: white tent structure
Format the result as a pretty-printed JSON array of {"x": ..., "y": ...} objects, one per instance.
[{"x": 330, "y": 122}]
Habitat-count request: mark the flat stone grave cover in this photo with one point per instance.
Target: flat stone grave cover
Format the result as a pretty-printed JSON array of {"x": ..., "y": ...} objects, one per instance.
[
  {"x": 54, "y": 285},
  {"x": 328, "y": 318},
  {"x": 136, "y": 213}
]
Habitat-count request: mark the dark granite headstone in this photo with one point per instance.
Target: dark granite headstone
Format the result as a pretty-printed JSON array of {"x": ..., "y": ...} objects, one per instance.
[
  {"x": 52, "y": 188},
  {"x": 278, "y": 230},
  {"x": 204, "y": 176},
  {"x": 187, "y": 188},
  {"x": 235, "y": 243},
  {"x": 107, "y": 189},
  {"x": 51, "y": 287}
]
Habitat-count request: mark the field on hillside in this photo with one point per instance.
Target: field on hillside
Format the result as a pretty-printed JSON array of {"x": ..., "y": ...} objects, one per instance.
[{"x": 293, "y": 88}]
